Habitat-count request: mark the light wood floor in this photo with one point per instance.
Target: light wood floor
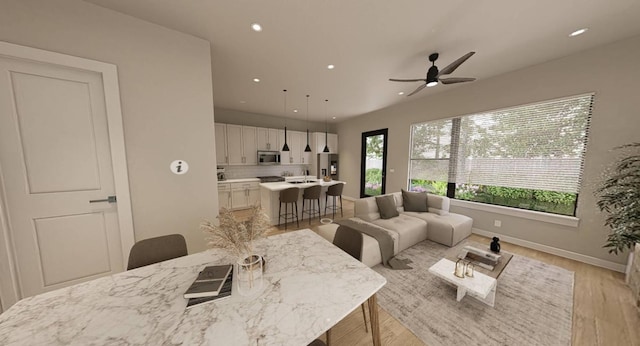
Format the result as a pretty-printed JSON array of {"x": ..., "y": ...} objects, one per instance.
[{"x": 603, "y": 309}]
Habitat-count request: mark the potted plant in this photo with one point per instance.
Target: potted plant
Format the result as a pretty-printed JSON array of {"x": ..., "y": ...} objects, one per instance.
[{"x": 619, "y": 196}]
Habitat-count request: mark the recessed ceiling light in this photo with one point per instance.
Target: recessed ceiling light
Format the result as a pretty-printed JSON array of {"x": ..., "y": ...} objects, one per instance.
[
  {"x": 401, "y": 93},
  {"x": 334, "y": 118},
  {"x": 295, "y": 111},
  {"x": 243, "y": 101},
  {"x": 578, "y": 32},
  {"x": 331, "y": 67},
  {"x": 257, "y": 80},
  {"x": 256, "y": 27},
  {"x": 432, "y": 84}
]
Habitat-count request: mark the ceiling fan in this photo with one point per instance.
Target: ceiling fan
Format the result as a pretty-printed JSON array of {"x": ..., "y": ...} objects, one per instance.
[{"x": 433, "y": 75}]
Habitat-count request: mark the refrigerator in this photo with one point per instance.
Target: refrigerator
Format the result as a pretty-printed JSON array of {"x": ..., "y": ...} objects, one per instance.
[{"x": 328, "y": 165}]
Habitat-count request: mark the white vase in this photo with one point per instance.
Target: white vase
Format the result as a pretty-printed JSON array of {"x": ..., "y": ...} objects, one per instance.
[{"x": 249, "y": 275}]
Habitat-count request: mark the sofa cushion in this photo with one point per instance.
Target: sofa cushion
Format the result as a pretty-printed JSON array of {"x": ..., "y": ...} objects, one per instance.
[
  {"x": 410, "y": 230},
  {"x": 387, "y": 206},
  {"x": 366, "y": 209},
  {"x": 438, "y": 204},
  {"x": 414, "y": 201}
]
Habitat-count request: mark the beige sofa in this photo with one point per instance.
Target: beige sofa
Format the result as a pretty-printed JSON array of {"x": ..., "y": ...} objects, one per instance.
[{"x": 408, "y": 228}]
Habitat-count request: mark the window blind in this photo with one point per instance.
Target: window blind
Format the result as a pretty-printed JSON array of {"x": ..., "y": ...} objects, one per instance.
[{"x": 538, "y": 146}]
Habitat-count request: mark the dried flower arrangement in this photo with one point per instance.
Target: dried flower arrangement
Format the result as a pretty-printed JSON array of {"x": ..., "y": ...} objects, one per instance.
[{"x": 234, "y": 235}]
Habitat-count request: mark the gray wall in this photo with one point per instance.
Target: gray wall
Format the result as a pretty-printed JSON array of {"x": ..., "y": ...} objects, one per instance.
[
  {"x": 167, "y": 104},
  {"x": 612, "y": 72},
  {"x": 230, "y": 116}
]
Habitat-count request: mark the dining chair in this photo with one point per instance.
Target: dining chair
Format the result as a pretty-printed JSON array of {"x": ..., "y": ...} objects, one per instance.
[
  {"x": 158, "y": 249},
  {"x": 350, "y": 241}
]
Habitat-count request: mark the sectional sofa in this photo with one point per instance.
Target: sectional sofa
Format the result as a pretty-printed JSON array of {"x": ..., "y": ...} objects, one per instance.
[{"x": 409, "y": 227}]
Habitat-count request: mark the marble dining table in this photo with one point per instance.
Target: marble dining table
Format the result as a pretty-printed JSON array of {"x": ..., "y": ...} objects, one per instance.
[{"x": 309, "y": 285}]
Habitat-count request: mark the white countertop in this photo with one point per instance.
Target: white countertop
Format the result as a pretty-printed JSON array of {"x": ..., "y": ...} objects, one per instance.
[
  {"x": 244, "y": 180},
  {"x": 310, "y": 285},
  {"x": 278, "y": 186}
]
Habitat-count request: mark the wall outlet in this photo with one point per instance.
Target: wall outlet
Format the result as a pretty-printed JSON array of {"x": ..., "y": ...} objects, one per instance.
[{"x": 497, "y": 223}]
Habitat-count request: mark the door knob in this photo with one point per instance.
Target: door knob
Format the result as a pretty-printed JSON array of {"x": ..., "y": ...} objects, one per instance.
[{"x": 110, "y": 199}]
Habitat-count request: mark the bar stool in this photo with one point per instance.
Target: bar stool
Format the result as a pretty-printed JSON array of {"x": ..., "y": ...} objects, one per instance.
[
  {"x": 334, "y": 191},
  {"x": 312, "y": 194},
  {"x": 289, "y": 196}
]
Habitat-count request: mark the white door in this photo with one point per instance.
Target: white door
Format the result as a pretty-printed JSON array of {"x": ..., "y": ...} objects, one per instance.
[{"x": 55, "y": 157}]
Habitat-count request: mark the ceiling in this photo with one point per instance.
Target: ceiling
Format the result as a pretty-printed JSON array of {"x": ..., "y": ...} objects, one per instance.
[{"x": 370, "y": 41}]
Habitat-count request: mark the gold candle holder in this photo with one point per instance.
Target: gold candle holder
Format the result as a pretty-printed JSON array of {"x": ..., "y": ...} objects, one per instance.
[
  {"x": 459, "y": 269},
  {"x": 469, "y": 270}
]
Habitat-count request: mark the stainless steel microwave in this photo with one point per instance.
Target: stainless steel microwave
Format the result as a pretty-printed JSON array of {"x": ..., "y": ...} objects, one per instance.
[{"x": 268, "y": 157}]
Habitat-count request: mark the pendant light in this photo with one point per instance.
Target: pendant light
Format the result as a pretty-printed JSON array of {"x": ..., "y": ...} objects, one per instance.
[
  {"x": 326, "y": 136},
  {"x": 307, "y": 149},
  {"x": 285, "y": 147}
]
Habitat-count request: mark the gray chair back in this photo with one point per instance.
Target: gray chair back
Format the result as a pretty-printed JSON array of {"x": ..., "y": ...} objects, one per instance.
[
  {"x": 335, "y": 190},
  {"x": 349, "y": 240},
  {"x": 312, "y": 192},
  {"x": 158, "y": 249},
  {"x": 289, "y": 195}
]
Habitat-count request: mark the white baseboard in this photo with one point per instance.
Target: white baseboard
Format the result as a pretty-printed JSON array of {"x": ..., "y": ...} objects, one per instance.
[{"x": 554, "y": 251}]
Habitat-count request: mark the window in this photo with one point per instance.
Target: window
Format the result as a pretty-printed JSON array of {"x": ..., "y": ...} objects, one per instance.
[{"x": 528, "y": 157}]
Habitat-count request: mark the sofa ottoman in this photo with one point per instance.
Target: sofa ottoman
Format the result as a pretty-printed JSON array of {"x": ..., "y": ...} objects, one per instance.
[{"x": 447, "y": 229}]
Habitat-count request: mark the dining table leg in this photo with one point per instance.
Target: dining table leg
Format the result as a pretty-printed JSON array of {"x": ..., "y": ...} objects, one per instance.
[{"x": 373, "y": 318}]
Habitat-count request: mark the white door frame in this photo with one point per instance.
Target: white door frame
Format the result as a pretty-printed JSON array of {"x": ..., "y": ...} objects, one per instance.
[{"x": 9, "y": 290}]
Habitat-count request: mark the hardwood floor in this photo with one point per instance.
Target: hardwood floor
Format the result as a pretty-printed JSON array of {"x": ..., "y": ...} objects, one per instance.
[{"x": 603, "y": 308}]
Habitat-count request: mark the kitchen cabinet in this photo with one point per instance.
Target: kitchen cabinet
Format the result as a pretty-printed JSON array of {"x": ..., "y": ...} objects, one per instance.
[
  {"x": 244, "y": 195},
  {"x": 297, "y": 141},
  {"x": 320, "y": 142},
  {"x": 267, "y": 139},
  {"x": 221, "y": 144},
  {"x": 224, "y": 196},
  {"x": 242, "y": 147}
]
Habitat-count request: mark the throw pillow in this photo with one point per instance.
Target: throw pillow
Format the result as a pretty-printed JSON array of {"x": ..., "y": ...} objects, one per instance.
[
  {"x": 387, "y": 206},
  {"x": 414, "y": 201}
]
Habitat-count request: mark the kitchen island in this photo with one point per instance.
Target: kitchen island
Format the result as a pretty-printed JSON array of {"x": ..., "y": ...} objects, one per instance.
[{"x": 270, "y": 195}]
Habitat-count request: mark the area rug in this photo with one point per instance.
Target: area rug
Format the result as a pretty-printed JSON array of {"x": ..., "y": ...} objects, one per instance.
[{"x": 534, "y": 303}]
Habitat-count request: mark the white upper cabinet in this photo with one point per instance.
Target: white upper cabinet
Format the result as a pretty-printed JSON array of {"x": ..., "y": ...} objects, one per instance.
[
  {"x": 267, "y": 139},
  {"x": 241, "y": 145},
  {"x": 320, "y": 142},
  {"x": 221, "y": 144},
  {"x": 249, "y": 145}
]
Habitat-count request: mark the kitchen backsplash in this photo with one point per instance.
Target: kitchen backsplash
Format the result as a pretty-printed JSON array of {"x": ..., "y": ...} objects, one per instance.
[{"x": 240, "y": 172}]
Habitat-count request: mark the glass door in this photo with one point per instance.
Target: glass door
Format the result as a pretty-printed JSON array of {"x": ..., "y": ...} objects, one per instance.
[{"x": 373, "y": 163}]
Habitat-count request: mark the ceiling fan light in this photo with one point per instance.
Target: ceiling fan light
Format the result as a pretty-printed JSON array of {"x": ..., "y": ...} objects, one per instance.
[{"x": 432, "y": 84}]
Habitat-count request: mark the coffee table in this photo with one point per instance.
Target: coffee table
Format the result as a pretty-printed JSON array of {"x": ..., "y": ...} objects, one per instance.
[{"x": 480, "y": 286}]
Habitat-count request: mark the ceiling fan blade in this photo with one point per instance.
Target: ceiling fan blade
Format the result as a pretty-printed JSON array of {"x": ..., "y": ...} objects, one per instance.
[
  {"x": 456, "y": 80},
  {"x": 454, "y": 65},
  {"x": 407, "y": 80},
  {"x": 418, "y": 89}
]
